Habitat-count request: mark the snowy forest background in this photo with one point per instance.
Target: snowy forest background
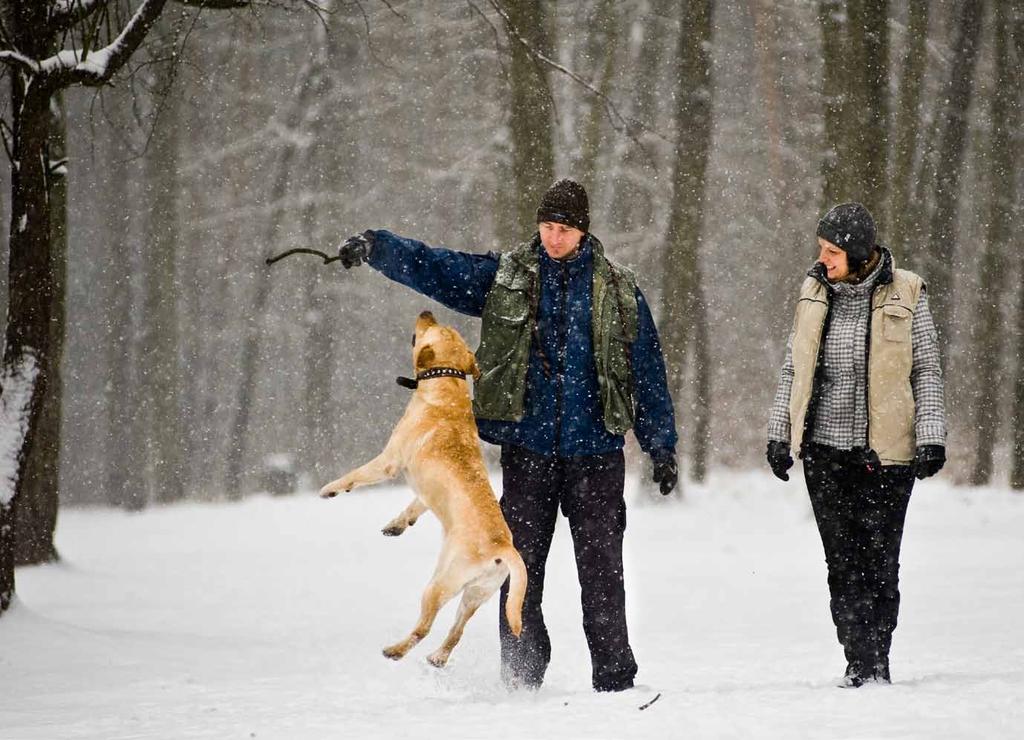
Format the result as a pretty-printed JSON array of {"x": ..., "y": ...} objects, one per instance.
[{"x": 710, "y": 135}]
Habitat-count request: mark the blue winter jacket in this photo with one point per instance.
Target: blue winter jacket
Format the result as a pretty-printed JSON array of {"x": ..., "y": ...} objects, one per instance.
[{"x": 563, "y": 413}]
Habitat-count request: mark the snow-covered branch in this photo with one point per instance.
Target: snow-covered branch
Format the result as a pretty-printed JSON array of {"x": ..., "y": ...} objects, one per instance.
[
  {"x": 19, "y": 61},
  {"x": 66, "y": 13},
  {"x": 76, "y": 67}
]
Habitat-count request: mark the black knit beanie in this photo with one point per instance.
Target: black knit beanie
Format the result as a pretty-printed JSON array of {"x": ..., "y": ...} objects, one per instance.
[
  {"x": 851, "y": 228},
  {"x": 565, "y": 202}
]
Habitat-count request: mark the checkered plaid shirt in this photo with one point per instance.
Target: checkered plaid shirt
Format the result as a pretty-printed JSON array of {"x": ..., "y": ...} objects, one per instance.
[{"x": 841, "y": 418}]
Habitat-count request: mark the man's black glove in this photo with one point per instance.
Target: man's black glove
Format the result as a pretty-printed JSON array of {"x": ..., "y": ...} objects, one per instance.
[
  {"x": 779, "y": 458},
  {"x": 354, "y": 250},
  {"x": 666, "y": 472},
  {"x": 928, "y": 460}
]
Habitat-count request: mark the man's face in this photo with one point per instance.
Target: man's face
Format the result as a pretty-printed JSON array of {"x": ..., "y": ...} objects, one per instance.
[
  {"x": 558, "y": 239},
  {"x": 834, "y": 259}
]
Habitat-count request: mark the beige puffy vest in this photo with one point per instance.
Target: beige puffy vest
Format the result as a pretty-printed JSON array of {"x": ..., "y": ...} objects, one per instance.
[{"x": 890, "y": 359}]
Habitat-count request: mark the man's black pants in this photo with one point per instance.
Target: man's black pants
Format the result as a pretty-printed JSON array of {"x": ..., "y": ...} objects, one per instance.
[
  {"x": 589, "y": 491},
  {"x": 860, "y": 517}
]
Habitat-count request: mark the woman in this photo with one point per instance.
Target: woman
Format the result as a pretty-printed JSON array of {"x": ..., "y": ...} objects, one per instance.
[{"x": 860, "y": 397}]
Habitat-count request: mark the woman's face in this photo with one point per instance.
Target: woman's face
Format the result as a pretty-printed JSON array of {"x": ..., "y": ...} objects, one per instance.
[{"x": 834, "y": 260}]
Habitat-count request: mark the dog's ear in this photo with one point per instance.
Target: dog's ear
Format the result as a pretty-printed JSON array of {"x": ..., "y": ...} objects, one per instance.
[
  {"x": 472, "y": 367},
  {"x": 426, "y": 354}
]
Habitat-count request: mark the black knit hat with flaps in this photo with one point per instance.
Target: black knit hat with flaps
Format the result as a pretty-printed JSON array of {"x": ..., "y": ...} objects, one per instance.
[
  {"x": 565, "y": 202},
  {"x": 851, "y": 228}
]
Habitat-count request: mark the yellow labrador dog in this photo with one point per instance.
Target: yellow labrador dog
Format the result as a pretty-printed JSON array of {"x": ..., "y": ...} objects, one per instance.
[{"x": 435, "y": 444}]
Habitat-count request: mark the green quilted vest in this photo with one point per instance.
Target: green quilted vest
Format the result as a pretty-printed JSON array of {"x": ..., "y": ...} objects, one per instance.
[{"x": 506, "y": 332}]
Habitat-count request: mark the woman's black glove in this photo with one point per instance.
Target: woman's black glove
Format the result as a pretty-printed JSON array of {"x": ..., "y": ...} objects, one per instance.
[
  {"x": 354, "y": 250},
  {"x": 666, "y": 472},
  {"x": 779, "y": 458},
  {"x": 929, "y": 460}
]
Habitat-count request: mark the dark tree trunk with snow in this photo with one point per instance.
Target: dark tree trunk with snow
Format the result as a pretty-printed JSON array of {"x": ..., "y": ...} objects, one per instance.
[
  {"x": 99, "y": 44},
  {"x": 682, "y": 292},
  {"x": 943, "y": 224},
  {"x": 38, "y": 500},
  {"x": 31, "y": 283}
]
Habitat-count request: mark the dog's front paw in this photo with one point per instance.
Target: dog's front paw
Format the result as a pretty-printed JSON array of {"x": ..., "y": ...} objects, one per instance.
[
  {"x": 332, "y": 489},
  {"x": 392, "y": 530}
]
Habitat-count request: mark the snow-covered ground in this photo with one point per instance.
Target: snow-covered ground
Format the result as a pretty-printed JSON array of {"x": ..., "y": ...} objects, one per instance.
[{"x": 265, "y": 619}]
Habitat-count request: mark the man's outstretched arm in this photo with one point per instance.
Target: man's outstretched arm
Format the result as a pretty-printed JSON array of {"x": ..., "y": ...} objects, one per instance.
[{"x": 458, "y": 280}]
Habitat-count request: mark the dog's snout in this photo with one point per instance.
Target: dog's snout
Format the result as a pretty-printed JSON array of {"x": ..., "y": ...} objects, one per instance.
[{"x": 427, "y": 315}]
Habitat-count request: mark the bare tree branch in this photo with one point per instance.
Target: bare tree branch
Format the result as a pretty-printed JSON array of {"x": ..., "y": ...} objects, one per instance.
[
  {"x": 497, "y": 37},
  {"x": 369, "y": 43},
  {"x": 217, "y": 4},
  {"x": 322, "y": 12},
  {"x": 627, "y": 127},
  {"x": 8, "y": 137},
  {"x": 392, "y": 9}
]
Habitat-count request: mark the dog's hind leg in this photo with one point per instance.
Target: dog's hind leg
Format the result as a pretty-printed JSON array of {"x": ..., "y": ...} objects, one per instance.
[
  {"x": 406, "y": 519},
  {"x": 438, "y": 593},
  {"x": 472, "y": 598}
]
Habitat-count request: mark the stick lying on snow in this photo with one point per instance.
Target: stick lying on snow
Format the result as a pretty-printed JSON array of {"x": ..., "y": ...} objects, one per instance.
[{"x": 644, "y": 706}]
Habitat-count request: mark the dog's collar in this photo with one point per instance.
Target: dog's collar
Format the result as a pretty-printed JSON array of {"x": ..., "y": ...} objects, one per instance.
[{"x": 434, "y": 372}]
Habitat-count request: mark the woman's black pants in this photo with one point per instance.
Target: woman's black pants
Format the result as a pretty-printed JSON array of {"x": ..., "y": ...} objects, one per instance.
[
  {"x": 860, "y": 517},
  {"x": 588, "y": 489}
]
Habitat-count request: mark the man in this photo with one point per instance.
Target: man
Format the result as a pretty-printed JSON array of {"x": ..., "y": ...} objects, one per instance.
[{"x": 570, "y": 361}]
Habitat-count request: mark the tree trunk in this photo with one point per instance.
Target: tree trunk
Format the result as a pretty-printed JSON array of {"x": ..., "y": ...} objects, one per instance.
[
  {"x": 765, "y": 34},
  {"x": 530, "y": 124},
  {"x": 1017, "y": 451},
  {"x": 328, "y": 160},
  {"x": 238, "y": 450},
  {"x": 950, "y": 164},
  {"x": 836, "y": 177},
  {"x": 601, "y": 44},
  {"x": 681, "y": 292},
  {"x": 999, "y": 238},
  {"x": 31, "y": 285},
  {"x": 635, "y": 184},
  {"x": 873, "y": 104},
  {"x": 124, "y": 450},
  {"x": 37, "y": 507},
  {"x": 908, "y": 128},
  {"x": 161, "y": 364},
  {"x": 700, "y": 461},
  {"x": 855, "y": 51}
]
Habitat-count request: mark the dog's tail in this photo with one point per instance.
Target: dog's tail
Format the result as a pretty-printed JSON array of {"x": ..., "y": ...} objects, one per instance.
[{"x": 516, "y": 590}]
